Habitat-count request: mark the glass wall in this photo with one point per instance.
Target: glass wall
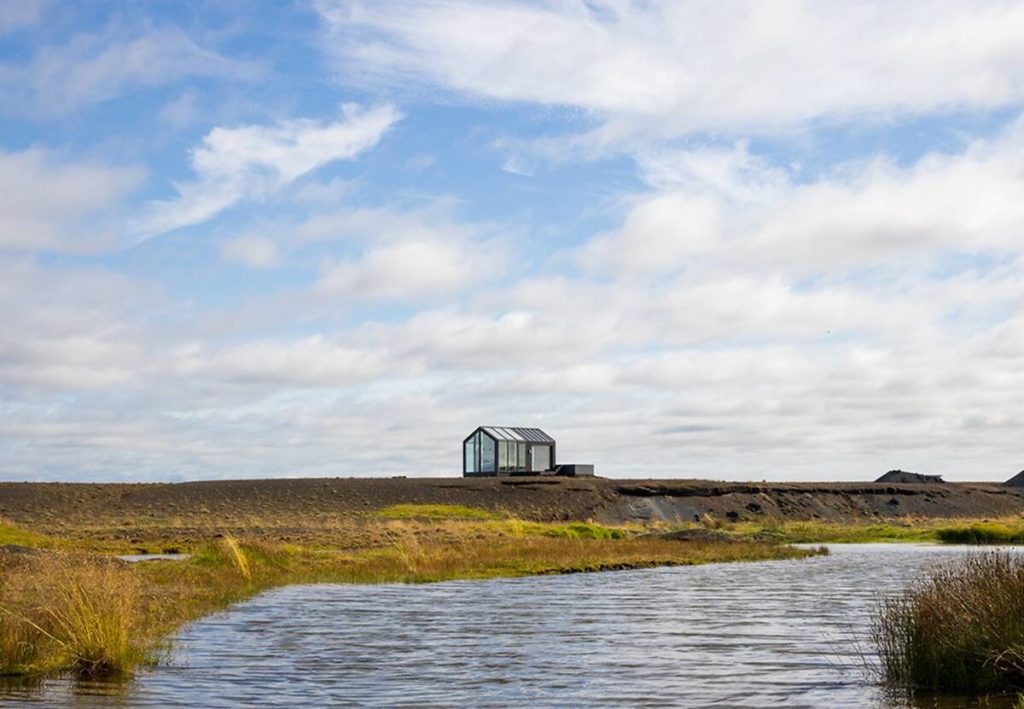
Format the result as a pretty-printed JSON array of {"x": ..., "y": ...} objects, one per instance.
[
  {"x": 470, "y": 453},
  {"x": 503, "y": 456},
  {"x": 541, "y": 459},
  {"x": 487, "y": 454},
  {"x": 489, "y": 451}
]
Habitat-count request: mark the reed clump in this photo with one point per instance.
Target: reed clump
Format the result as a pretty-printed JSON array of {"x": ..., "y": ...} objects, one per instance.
[
  {"x": 961, "y": 629},
  {"x": 981, "y": 533},
  {"x": 64, "y": 610}
]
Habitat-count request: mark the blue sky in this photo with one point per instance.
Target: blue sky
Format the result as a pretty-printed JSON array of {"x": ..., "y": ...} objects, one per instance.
[{"x": 325, "y": 237}]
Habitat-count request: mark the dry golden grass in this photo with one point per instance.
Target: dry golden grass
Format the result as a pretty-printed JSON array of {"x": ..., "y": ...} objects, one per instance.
[{"x": 69, "y": 610}]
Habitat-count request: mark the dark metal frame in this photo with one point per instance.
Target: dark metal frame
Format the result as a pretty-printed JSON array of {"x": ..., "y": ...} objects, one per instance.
[{"x": 531, "y": 437}]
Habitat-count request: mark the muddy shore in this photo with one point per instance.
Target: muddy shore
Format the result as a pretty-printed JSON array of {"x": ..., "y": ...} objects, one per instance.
[{"x": 51, "y": 507}]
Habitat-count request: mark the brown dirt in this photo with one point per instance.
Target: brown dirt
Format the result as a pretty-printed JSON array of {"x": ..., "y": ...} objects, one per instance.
[{"x": 279, "y": 506}]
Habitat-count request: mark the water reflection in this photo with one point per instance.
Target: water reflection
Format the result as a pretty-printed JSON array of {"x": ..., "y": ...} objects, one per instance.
[{"x": 787, "y": 633}]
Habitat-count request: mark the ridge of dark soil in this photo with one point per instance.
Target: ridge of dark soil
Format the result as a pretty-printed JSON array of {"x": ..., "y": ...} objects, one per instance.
[{"x": 51, "y": 506}]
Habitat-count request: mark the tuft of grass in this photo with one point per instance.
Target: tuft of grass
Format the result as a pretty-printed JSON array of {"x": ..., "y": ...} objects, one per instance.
[
  {"x": 92, "y": 621},
  {"x": 435, "y": 512},
  {"x": 959, "y": 629},
  {"x": 238, "y": 557},
  {"x": 981, "y": 533},
  {"x": 62, "y": 611}
]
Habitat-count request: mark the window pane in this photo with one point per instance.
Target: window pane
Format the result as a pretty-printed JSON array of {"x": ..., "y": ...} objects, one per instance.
[
  {"x": 541, "y": 458},
  {"x": 487, "y": 454},
  {"x": 470, "y": 453},
  {"x": 521, "y": 463}
]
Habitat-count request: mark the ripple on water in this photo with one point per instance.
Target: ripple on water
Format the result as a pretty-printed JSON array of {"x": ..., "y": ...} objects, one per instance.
[{"x": 782, "y": 633}]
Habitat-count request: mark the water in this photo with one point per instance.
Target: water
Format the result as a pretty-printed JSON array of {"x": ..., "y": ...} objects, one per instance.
[
  {"x": 782, "y": 633},
  {"x": 136, "y": 558}
]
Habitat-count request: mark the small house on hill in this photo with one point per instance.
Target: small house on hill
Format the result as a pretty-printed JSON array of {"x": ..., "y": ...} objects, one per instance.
[
  {"x": 902, "y": 476},
  {"x": 507, "y": 450},
  {"x": 1016, "y": 481}
]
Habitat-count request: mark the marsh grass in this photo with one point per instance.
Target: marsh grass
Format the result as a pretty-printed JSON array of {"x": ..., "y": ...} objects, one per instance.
[
  {"x": 11, "y": 534},
  {"x": 1005, "y": 530},
  {"x": 982, "y": 533},
  {"x": 960, "y": 629},
  {"x": 238, "y": 557},
  {"x": 434, "y": 512},
  {"x": 65, "y": 610}
]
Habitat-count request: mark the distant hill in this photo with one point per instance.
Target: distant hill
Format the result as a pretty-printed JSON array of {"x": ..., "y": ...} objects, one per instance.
[
  {"x": 902, "y": 476},
  {"x": 1016, "y": 481}
]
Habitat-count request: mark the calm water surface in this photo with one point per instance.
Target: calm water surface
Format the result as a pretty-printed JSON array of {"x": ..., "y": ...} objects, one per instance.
[{"x": 784, "y": 633}]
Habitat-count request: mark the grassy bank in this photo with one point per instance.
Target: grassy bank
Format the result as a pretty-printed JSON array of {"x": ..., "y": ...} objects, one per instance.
[
  {"x": 1004, "y": 530},
  {"x": 961, "y": 629},
  {"x": 69, "y": 608}
]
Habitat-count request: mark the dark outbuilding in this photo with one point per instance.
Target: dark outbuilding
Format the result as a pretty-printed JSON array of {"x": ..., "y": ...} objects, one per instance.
[{"x": 902, "y": 476}]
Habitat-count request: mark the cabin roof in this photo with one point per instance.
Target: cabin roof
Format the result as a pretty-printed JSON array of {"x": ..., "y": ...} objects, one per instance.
[{"x": 517, "y": 433}]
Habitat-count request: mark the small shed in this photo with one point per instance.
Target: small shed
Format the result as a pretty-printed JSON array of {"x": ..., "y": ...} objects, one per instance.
[
  {"x": 507, "y": 450},
  {"x": 902, "y": 476}
]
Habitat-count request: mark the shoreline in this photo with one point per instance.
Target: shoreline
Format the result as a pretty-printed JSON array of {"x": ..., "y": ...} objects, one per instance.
[{"x": 68, "y": 606}]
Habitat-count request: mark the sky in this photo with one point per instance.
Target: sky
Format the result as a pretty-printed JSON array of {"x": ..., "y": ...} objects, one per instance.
[{"x": 754, "y": 240}]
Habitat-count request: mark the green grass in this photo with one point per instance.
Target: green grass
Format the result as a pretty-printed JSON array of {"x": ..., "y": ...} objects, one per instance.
[
  {"x": 434, "y": 512},
  {"x": 585, "y": 530},
  {"x": 9, "y": 534},
  {"x": 981, "y": 533},
  {"x": 961, "y": 629},
  {"x": 1009, "y": 530}
]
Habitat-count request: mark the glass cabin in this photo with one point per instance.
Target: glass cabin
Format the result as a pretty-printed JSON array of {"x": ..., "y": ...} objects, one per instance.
[{"x": 505, "y": 450}]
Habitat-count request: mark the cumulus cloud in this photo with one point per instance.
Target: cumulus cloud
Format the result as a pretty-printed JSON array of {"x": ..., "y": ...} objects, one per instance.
[
  {"x": 50, "y": 203},
  {"x": 721, "y": 207},
  {"x": 253, "y": 162},
  {"x": 675, "y": 68}
]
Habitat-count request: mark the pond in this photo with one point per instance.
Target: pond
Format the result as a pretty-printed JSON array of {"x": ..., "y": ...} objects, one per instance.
[{"x": 781, "y": 633}]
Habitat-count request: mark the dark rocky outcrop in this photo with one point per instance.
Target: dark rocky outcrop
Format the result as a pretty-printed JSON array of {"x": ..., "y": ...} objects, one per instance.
[{"x": 902, "y": 476}]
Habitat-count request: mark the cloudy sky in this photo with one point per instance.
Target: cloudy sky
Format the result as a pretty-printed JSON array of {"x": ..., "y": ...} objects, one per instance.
[{"x": 741, "y": 240}]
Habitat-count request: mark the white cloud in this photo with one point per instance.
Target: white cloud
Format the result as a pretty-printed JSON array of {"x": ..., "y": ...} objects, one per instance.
[
  {"x": 310, "y": 361},
  {"x": 253, "y": 162},
  {"x": 714, "y": 209},
  {"x": 411, "y": 269},
  {"x": 672, "y": 68},
  {"x": 96, "y": 67},
  {"x": 47, "y": 203},
  {"x": 253, "y": 251}
]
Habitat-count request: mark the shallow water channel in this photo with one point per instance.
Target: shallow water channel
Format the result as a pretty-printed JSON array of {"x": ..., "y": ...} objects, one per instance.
[{"x": 780, "y": 633}]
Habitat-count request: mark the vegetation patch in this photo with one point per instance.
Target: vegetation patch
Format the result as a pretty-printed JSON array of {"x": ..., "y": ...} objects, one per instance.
[
  {"x": 981, "y": 533},
  {"x": 961, "y": 629},
  {"x": 416, "y": 511},
  {"x": 585, "y": 530},
  {"x": 10, "y": 534}
]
